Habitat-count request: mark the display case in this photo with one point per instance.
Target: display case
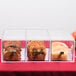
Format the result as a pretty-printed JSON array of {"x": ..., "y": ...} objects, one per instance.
[
  {"x": 13, "y": 46},
  {"x": 38, "y": 45},
  {"x": 37, "y": 50},
  {"x": 63, "y": 46}
]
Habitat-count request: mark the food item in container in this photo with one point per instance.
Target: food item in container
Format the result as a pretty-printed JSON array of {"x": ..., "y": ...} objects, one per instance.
[
  {"x": 59, "y": 51},
  {"x": 36, "y": 50},
  {"x": 12, "y": 50}
]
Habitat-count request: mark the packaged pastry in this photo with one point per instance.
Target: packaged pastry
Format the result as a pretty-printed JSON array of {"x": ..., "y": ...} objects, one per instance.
[
  {"x": 12, "y": 51},
  {"x": 62, "y": 47},
  {"x": 36, "y": 50},
  {"x": 37, "y": 45},
  {"x": 13, "y": 46},
  {"x": 62, "y": 51},
  {"x": 59, "y": 51}
]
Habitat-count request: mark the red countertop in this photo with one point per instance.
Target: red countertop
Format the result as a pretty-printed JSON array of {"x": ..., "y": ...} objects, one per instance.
[{"x": 38, "y": 66}]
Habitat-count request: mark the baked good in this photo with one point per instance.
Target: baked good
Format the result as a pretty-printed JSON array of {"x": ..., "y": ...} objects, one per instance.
[
  {"x": 36, "y": 51},
  {"x": 12, "y": 50},
  {"x": 59, "y": 51}
]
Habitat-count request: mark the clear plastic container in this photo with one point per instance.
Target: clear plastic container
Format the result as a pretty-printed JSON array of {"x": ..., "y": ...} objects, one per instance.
[
  {"x": 37, "y": 45},
  {"x": 13, "y": 46},
  {"x": 62, "y": 46}
]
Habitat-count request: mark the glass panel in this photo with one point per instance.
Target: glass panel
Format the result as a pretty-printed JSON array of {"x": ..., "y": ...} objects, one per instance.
[
  {"x": 37, "y": 45},
  {"x": 62, "y": 46},
  {"x": 13, "y": 46}
]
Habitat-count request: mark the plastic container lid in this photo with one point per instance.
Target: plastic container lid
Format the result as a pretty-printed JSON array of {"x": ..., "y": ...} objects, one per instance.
[
  {"x": 14, "y": 35},
  {"x": 60, "y": 35},
  {"x": 37, "y": 35}
]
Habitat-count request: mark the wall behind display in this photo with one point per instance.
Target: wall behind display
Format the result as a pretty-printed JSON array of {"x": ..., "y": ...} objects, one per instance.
[{"x": 51, "y": 14}]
